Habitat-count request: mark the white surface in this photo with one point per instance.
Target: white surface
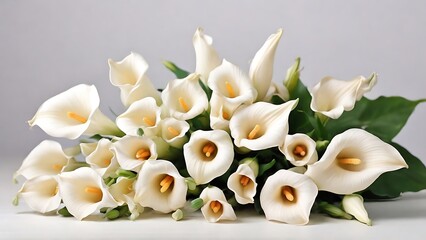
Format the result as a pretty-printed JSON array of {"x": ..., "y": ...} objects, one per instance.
[{"x": 398, "y": 219}]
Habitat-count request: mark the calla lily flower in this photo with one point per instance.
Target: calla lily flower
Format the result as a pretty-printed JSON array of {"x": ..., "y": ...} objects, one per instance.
[
  {"x": 232, "y": 84},
  {"x": 130, "y": 76},
  {"x": 160, "y": 187},
  {"x": 277, "y": 90},
  {"x": 132, "y": 152},
  {"x": 184, "y": 98},
  {"x": 73, "y": 113},
  {"x": 288, "y": 197},
  {"x": 102, "y": 159},
  {"x": 88, "y": 148},
  {"x": 122, "y": 189},
  {"x": 354, "y": 205},
  {"x": 330, "y": 97},
  {"x": 205, "y": 55},
  {"x": 352, "y": 161},
  {"x": 143, "y": 114},
  {"x": 299, "y": 149},
  {"x": 221, "y": 112},
  {"x": 216, "y": 207},
  {"x": 123, "y": 192},
  {"x": 84, "y": 192},
  {"x": 174, "y": 131},
  {"x": 41, "y": 193},
  {"x": 208, "y": 154},
  {"x": 243, "y": 183},
  {"x": 261, "y": 125},
  {"x": 47, "y": 158},
  {"x": 261, "y": 68}
]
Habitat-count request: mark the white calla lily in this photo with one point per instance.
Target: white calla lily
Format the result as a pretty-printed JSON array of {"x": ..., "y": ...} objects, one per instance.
[
  {"x": 354, "y": 205},
  {"x": 243, "y": 183},
  {"x": 205, "y": 55},
  {"x": 132, "y": 152},
  {"x": 184, "y": 98},
  {"x": 174, "y": 131},
  {"x": 208, "y": 154},
  {"x": 41, "y": 193},
  {"x": 84, "y": 192},
  {"x": 47, "y": 158},
  {"x": 221, "y": 112},
  {"x": 261, "y": 68},
  {"x": 143, "y": 114},
  {"x": 277, "y": 90},
  {"x": 216, "y": 207},
  {"x": 87, "y": 148},
  {"x": 130, "y": 76},
  {"x": 299, "y": 149},
  {"x": 352, "y": 161},
  {"x": 261, "y": 125},
  {"x": 232, "y": 84},
  {"x": 330, "y": 97},
  {"x": 160, "y": 187},
  {"x": 288, "y": 197},
  {"x": 102, "y": 159},
  {"x": 73, "y": 113},
  {"x": 122, "y": 190}
]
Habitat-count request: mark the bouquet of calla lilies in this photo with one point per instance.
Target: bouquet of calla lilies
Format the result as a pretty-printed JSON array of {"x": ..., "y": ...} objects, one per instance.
[{"x": 221, "y": 141}]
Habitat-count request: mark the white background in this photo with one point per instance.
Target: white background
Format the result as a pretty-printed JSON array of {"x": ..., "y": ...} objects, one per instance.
[{"x": 47, "y": 47}]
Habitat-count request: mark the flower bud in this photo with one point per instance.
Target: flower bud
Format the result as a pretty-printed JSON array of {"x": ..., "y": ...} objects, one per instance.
[
  {"x": 292, "y": 77},
  {"x": 354, "y": 205}
]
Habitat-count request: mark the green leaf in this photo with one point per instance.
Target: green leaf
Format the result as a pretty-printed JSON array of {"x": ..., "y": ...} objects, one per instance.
[
  {"x": 411, "y": 179},
  {"x": 301, "y": 91},
  {"x": 265, "y": 167},
  {"x": 179, "y": 72},
  {"x": 383, "y": 117},
  {"x": 206, "y": 89}
]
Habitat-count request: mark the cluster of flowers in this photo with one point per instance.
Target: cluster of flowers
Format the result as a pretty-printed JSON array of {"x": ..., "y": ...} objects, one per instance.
[{"x": 218, "y": 136}]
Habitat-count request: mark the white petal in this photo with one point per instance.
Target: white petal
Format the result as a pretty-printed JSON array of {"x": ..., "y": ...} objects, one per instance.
[
  {"x": 174, "y": 131},
  {"x": 331, "y": 97},
  {"x": 147, "y": 187},
  {"x": 102, "y": 158},
  {"x": 206, "y": 56},
  {"x": 354, "y": 205},
  {"x": 243, "y": 194},
  {"x": 221, "y": 112},
  {"x": 73, "y": 113},
  {"x": 129, "y": 75},
  {"x": 213, "y": 193},
  {"x": 47, "y": 158},
  {"x": 376, "y": 158},
  {"x": 261, "y": 68},
  {"x": 143, "y": 114},
  {"x": 79, "y": 202},
  {"x": 228, "y": 76},
  {"x": 204, "y": 169},
  {"x": 122, "y": 190},
  {"x": 271, "y": 119},
  {"x": 126, "y": 148},
  {"x": 184, "y": 98},
  {"x": 88, "y": 148},
  {"x": 277, "y": 209},
  {"x": 41, "y": 193},
  {"x": 303, "y": 141}
]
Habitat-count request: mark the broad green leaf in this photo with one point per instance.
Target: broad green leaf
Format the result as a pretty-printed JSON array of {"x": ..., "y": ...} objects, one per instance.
[
  {"x": 301, "y": 92},
  {"x": 179, "y": 72},
  {"x": 383, "y": 117},
  {"x": 411, "y": 179}
]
